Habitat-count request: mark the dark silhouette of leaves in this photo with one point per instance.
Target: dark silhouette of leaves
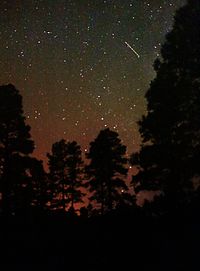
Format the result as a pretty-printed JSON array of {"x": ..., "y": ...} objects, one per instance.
[
  {"x": 66, "y": 166},
  {"x": 169, "y": 156},
  {"x": 15, "y": 146},
  {"x": 106, "y": 169}
]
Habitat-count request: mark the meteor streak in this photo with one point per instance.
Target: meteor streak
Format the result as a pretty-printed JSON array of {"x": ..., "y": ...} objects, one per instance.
[{"x": 132, "y": 49}]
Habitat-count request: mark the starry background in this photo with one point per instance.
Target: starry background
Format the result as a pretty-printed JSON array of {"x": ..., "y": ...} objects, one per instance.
[{"x": 70, "y": 62}]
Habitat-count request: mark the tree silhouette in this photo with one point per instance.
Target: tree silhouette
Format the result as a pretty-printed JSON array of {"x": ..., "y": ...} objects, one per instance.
[
  {"x": 106, "y": 169},
  {"x": 57, "y": 175},
  {"x": 40, "y": 185},
  {"x": 74, "y": 173},
  {"x": 15, "y": 145},
  {"x": 65, "y": 166},
  {"x": 169, "y": 156},
  {"x": 22, "y": 186}
]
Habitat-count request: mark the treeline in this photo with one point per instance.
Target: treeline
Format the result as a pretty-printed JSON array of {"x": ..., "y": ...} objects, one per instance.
[
  {"x": 168, "y": 161},
  {"x": 25, "y": 184}
]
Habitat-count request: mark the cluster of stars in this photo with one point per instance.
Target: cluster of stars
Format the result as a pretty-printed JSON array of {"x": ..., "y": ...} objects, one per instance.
[{"x": 70, "y": 62}]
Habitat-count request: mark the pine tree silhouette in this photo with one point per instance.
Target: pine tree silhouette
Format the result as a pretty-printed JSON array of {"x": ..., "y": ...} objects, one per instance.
[
  {"x": 15, "y": 146},
  {"x": 65, "y": 166},
  {"x": 169, "y": 156},
  {"x": 74, "y": 173},
  {"x": 106, "y": 169},
  {"x": 40, "y": 185}
]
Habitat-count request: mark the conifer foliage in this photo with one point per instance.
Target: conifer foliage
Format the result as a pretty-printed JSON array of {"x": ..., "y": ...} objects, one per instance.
[
  {"x": 15, "y": 146},
  {"x": 65, "y": 174},
  {"x": 106, "y": 169},
  {"x": 169, "y": 156}
]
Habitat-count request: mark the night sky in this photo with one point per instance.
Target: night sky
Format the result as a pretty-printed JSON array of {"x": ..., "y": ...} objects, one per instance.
[{"x": 73, "y": 68}]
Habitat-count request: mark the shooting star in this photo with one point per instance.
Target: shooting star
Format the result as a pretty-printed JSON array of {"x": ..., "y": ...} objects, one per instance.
[{"x": 132, "y": 49}]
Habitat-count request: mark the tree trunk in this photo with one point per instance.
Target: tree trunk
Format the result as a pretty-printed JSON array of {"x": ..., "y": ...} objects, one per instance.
[
  {"x": 102, "y": 200},
  {"x": 109, "y": 195},
  {"x": 63, "y": 196},
  {"x": 5, "y": 198},
  {"x": 5, "y": 187}
]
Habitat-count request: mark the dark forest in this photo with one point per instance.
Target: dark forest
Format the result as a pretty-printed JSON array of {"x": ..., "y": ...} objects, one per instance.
[{"x": 81, "y": 211}]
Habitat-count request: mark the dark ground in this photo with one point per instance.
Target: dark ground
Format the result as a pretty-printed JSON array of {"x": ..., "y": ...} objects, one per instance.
[{"x": 121, "y": 240}]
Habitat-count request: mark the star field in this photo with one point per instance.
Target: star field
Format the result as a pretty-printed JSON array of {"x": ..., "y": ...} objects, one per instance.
[{"x": 70, "y": 62}]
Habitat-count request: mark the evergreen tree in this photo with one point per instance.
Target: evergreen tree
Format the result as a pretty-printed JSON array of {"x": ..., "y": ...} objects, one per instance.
[
  {"x": 40, "y": 185},
  {"x": 74, "y": 173},
  {"x": 106, "y": 169},
  {"x": 15, "y": 146},
  {"x": 57, "y": 175},
  {"x": 169, "y": 156},
  {"x": 65, "y": 166},
  {"x": 22, "y": 185}
]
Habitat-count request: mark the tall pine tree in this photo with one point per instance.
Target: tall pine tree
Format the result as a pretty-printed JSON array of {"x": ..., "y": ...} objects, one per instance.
[
  {"x": 15, "y": 146},
  {"x": 57, "y": 175},
  {"x": 74, "y": 173},
  {"x": 170, "y": 152},
  {"x": 65, "y": 166},
  {"x": 108, "y": 166},
  {"x": 40, "y": 185}
]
